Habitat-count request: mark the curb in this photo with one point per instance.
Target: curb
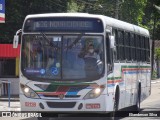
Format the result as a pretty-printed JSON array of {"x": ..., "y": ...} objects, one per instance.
[
  {"x": 11, "y": 99},
  {"x": 155, "y": 82}
]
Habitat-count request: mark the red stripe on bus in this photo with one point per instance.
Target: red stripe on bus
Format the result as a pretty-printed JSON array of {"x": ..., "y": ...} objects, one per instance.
[
  {"x": 60, "y": 90},
  {"x": 114, "y": 81},
  {"x": 132, "y": 69}
]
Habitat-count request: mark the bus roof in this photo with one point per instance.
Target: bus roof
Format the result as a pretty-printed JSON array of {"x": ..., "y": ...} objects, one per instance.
[{"x": 108, "y": 21}]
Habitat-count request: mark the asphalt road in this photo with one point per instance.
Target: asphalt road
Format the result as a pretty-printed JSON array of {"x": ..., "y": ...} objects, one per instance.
[{"x": 150, "y": 107}]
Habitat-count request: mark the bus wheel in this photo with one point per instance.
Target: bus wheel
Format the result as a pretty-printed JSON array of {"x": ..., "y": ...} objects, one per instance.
[
  {"x": 138, "y": 99},
  {"x": 115, "y": 106},
  {"x": 137, "y": 107}
]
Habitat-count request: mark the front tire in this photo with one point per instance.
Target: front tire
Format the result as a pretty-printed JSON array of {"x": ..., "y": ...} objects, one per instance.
[{"x": 115, "y": 106}]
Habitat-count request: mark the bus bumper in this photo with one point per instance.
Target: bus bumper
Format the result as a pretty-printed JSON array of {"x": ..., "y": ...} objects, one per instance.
[{"x": 63, "y": 106}]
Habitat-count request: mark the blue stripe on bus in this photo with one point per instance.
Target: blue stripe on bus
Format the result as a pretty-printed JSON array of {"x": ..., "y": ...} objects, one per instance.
[
  {"x": 73, "y": 91},
  {"x": 41, "y": 95},
  {"x": 135, "y": 72},
  {"x": 110, "y": 85},
  {"x": 113, "y": 84}
]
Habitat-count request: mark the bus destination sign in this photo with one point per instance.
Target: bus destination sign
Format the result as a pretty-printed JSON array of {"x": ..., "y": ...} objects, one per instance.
[{"x": 63, "y": 25}]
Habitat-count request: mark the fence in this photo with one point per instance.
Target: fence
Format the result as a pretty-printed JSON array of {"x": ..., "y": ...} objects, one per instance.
[{"x": 5, "y": 89}]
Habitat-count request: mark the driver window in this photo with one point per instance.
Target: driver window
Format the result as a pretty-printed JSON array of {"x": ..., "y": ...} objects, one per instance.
[{"x": 109, "y": 55}]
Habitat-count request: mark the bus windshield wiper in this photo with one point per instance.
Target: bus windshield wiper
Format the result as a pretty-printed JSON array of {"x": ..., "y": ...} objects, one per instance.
[
  {"x": 75, "y": 41},
  {"x": 49, "y": 42}
]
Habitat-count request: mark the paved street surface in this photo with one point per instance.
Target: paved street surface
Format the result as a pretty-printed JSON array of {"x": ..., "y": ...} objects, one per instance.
[
  {"x": 151, "y": 104},
  {"x": 14, "y": 106}
]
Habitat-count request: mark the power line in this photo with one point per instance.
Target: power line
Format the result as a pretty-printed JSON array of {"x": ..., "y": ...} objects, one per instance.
[
  {"x": 58, "y": 4},
  {"x": 85, "y": 2}
]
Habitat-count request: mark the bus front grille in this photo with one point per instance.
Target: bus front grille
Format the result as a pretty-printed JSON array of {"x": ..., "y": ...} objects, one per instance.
[
  {"x": 61, "y": 104},
  {"x": 66, "y": 96}
]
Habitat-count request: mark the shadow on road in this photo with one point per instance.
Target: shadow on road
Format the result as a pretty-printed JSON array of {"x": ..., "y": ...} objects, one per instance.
[
  {"x": 146, "y": 113},
  {"x": 78, "y": 117}
]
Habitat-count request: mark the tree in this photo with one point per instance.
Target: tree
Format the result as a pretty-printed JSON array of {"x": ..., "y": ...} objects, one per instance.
[
  {"x": 132, "y": 11},
  {"x": 75, "y": 6},
  {"x": 157, "y": 7},
  {"x": 139, "y": 12},
  {"x": 17, "y": 10},
  {"x": 151, "y": 18}
]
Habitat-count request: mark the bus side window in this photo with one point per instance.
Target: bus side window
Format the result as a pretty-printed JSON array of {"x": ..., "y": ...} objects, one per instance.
[
  {"x": 137, "y": 48},
  {"x": 147, "y": 49},
  {"x": 121, "y": 48},
  {"x": 143, "y": 51},
  {"x": 133, "y": 44},
  {"x": 117, "y": 57},
  {"x": 109, "y": 55},
  {"x": 127, "y": 46}
]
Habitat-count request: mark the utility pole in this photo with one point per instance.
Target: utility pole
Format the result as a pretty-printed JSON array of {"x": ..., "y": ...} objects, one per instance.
[
  {"x": 117, "y": 9},
  {"x": 153, "y": 47},
  {"x": 153, "y": 41}
]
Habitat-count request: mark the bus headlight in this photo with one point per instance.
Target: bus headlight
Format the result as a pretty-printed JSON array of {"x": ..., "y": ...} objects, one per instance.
[
  {"x": 28, "y": 92},
  {"x": 26, "y": 89},
  {"x": 94, "y": 93}
]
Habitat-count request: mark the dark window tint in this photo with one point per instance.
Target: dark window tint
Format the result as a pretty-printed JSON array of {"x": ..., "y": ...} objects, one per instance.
[
  {"x": 7, "y": 67},
  {"x": 116, "y": 37},
  {"x": 120, "y": 38},
  {"x": 142, "y": 42}
]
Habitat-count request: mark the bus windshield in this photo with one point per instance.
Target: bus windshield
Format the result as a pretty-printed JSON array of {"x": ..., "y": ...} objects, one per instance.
[{"x": 62, "y": 57}]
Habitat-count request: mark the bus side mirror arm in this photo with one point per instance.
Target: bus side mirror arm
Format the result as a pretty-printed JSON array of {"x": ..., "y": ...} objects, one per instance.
[{"x": 16, "y": 38}]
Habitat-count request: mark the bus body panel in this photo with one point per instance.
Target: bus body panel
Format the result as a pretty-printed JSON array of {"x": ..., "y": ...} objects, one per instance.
[
  {"x": 125, "y": 75},
  {"x": 90, "y": 105},
  {"x": 128, "y": 76}
]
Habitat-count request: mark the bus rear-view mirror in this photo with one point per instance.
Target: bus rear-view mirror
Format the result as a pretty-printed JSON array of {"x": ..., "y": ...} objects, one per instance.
[
  {"x": 16, "y": 38},
  {"x": 112, "y": 41},
  {"x": 15, "y": 41}
]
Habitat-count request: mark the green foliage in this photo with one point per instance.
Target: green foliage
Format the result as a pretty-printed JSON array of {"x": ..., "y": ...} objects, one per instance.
[
  {"x": 154, "y": 75},
  {"x": 152, "y": 17},
  {"x": 16, "y": 11},
  {"x": 157, "y": 53},
  {"x": 74, "y": 6},
  {"x": 132, "y": 11},
  {"x": 139, "y": 12}
]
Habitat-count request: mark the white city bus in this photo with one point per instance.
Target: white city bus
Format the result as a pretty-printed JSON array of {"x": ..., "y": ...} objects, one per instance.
[{"x": 79, "y": 62}]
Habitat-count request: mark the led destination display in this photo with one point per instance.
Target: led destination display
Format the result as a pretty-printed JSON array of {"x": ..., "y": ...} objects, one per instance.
[{"x": 63, "y": 25}]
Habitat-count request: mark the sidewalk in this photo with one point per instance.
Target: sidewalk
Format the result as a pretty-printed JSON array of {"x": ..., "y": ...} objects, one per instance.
[
  {"x": 14, "y": 103},
  {"x": 155, "y": 81},
  {"x": 14, "y": 106}
]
